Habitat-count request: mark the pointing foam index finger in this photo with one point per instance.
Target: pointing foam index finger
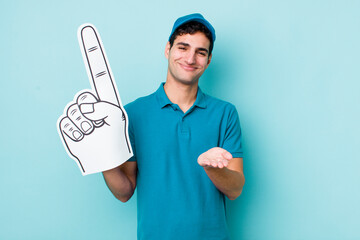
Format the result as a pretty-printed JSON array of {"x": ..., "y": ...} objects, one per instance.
[{"x": 96, "y": 63}]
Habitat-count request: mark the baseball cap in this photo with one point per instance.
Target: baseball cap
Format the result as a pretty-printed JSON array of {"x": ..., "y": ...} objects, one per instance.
[{"x": 193, "y": 17}]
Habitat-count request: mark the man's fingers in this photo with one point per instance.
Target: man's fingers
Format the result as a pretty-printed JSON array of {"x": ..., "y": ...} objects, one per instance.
[
  {"x": 68, "y": 128},
  {"x": 205, "y": 163},
  {"x": 82, "y": 123},
  {"x": 214, "y": 163},
  {"x": 215, "y": 157},
  {"x": 97, "y": 64},
  {"x": 220, "y": 164},
  {"x": 227, "y": 155}
]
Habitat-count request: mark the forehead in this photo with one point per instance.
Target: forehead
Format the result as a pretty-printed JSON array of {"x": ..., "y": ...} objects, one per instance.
[{"x": 196, "y": 40}]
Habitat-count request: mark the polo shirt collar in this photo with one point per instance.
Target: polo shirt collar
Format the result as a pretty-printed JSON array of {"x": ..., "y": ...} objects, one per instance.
[
  {"x": 164, "y": 100},
  {"x": 200, "y": 99}
]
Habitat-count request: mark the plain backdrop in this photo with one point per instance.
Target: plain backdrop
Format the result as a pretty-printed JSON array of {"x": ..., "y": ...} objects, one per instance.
[{"x": 291, "y": 68}]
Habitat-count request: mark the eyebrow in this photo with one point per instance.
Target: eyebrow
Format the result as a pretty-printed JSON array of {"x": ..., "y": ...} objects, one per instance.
[{"x": 188, "y": 45}]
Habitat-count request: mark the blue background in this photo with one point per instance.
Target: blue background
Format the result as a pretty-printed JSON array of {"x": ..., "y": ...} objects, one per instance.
[{"x": 290, "y": 67}]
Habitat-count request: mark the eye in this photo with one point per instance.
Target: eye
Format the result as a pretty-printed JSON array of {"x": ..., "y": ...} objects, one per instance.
[{"x": 202, "y": 54}]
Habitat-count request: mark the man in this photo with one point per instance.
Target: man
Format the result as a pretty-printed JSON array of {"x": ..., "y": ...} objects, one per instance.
[{"x": 187, "y": 147}]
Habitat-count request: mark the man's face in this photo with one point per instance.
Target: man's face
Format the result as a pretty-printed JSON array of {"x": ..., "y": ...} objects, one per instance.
[{"x": 188, "y": 57}]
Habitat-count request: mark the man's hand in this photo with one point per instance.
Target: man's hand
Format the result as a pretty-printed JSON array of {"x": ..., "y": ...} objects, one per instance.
[
  {"x": 94, "y": 126},
  {"x": 224, "y": 171},
  {"x": 215, "y": 157}
]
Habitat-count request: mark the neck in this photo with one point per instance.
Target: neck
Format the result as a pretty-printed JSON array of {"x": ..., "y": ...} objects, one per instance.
[{"x": 181, "y": 94}]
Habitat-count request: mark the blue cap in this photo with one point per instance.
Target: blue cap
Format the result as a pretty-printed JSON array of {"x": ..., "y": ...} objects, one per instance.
[{"x": 193, "y": 17}]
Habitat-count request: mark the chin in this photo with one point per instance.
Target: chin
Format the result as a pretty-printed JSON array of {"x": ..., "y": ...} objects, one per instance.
[{"x": 188, "y": 81}]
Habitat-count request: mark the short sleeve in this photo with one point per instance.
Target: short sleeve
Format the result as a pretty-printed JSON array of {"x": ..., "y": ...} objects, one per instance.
[{"x": 232, "y": 140}]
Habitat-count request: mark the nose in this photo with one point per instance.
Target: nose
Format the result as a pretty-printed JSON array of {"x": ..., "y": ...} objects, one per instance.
[{"x": 190, "y": 58}]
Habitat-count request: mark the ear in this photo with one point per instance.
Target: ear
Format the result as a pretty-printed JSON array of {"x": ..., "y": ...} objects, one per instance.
[
  {"x": 167, "y": 50},
  {"x": 209, "y": 59}
]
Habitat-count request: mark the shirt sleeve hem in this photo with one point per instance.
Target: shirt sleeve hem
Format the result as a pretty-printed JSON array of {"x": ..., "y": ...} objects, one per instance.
[{"x": 237, "y": 155}]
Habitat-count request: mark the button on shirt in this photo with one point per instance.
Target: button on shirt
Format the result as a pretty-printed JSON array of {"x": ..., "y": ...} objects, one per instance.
[{"x": 176, "y": 198}]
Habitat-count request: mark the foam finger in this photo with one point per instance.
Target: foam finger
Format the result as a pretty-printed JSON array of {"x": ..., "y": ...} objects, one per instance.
[
  {"x": 88, "y": 97},
  {"x": 97, "y": 65},
  {"x": 68, "y": 128},
  {"x": 82, "y": 123}
]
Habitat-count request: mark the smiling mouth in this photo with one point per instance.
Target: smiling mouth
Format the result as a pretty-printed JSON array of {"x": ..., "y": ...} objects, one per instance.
[{"x": 187, "y": 67}]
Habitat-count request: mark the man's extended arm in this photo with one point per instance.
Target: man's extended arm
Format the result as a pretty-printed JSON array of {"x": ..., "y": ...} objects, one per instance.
[
  {"x": 224, "y": 171},
  {"x": 122, "y": 180}
]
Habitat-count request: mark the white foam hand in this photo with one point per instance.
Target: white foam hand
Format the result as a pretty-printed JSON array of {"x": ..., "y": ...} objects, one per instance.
[{"x": 94, "y": 127}]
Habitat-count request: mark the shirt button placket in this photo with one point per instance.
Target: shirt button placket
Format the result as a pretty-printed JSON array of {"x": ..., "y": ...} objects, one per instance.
[{"x": 184, "y": 126}]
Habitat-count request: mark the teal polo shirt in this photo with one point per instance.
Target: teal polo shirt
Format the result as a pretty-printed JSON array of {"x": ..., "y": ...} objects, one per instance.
[{"x": 175, "y": 197}]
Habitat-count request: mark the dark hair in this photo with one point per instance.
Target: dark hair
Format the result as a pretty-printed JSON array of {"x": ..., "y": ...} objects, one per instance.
[{"x": 192, "y": 27}]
